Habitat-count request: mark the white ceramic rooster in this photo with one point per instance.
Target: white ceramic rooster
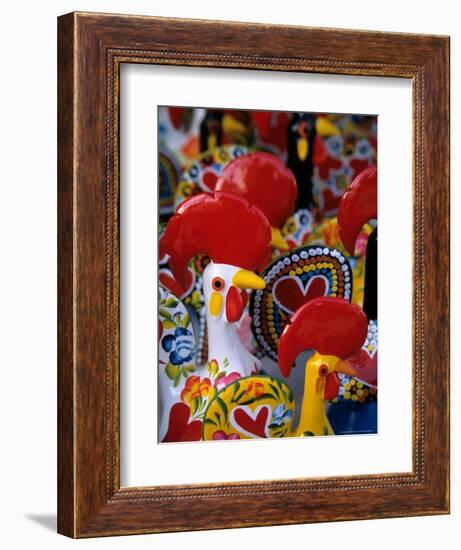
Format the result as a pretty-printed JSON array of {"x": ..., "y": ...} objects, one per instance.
[{"x": 236, "y": 237}]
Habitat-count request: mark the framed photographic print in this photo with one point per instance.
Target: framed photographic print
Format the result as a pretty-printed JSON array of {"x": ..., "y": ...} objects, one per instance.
[{"x": 221, "y": 279}]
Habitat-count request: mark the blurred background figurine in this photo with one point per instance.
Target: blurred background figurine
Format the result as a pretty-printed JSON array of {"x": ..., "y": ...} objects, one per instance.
[
  {"x": 301, "y": 138},
  {"x": 211, "y": 130}
]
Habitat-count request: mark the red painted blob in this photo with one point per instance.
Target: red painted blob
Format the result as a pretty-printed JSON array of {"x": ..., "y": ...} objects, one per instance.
[
  {"x": 264, "y": 180},
  {"x": 235, "y": 304}
]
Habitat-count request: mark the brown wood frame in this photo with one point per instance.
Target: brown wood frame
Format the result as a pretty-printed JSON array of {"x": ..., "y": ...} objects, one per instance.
[{"x": 91, "y": 49}]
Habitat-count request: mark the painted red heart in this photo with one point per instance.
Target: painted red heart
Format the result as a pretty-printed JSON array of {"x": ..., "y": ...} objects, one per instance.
[
  {"x": 365, "y": 366},
  {"x": 290, "y": 294},
  {"x": 179, "y": 428},
  {"x": 252, "y": 424}
]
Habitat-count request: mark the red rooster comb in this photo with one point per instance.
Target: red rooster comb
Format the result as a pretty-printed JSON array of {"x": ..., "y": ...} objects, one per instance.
[
  {"x": 264, "y": 181},
  {"x": 223, "y": 226},
  {"x": 330, "y": 326},
  {"x": 358, "y": 205}
]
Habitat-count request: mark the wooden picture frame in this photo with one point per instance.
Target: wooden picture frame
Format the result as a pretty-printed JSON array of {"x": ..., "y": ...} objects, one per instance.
[{"x": 92, "y": 48}]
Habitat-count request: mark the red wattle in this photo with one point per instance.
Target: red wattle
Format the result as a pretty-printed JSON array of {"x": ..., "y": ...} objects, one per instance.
[
  {"x": 331, "y": 386},
  {"x": 244, "y": 295},
  {"x": 235, "y": 304}
]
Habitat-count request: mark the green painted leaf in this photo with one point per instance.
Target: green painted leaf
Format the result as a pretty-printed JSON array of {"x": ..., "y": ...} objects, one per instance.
[
  {"x": 325, "y": 431},
  {"x": 239, "y": 396},
  {"x": 185, "y": 321},
  {"x": 275, "y": 390},
  {"x": 309, "y": 434},
  {"x": 223, "y": 407},
  {"x": 168, "y": 323},
  {"x": 274, "y": 425},
  {"x": 236, "y": 389},
  {"x": 209, "y": 421},
  {"x": 170, "y": 303},
  {"x": 268, "y": 396},
  {"x": 172, "y": 371},
  {"x": 164, "y": 313},
  {"x": 194, "y": 405}
]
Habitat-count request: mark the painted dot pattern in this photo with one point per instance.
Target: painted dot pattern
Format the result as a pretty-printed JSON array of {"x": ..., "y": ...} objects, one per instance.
[
  {"x": 269, "y": 309},
  {"x": 202, "y": 175},
  {"x": 352, "y": 389}
]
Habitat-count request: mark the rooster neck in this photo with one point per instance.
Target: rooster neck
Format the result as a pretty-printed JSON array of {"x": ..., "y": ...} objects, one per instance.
[
  {"x": 224, "y": 345},
  {"x": 313, "y": 419}
]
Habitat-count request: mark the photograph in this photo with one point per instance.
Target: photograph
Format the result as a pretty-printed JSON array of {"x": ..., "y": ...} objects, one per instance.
[{"x": 267, "y": 274}]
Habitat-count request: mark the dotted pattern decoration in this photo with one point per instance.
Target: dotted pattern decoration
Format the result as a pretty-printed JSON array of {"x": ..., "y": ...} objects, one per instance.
[
  {"x": 358, "y": 389},
  {"x": 202, "y": 175},
  {"x": 292, "y": 280},
  {"x": 355, "y": 391}
]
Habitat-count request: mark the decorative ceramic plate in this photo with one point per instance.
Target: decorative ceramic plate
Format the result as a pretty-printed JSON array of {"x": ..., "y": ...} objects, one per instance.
[{"x": 291, "y": 280}]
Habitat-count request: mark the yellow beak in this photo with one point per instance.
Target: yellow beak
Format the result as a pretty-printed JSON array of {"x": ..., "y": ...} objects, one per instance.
[
  {"x": 345, "y": 368},
  {"x": 245, "y": 279},
  {"x": 325, "y": 128},
  {"x": 231, "y": 125},
  {"x": 277, "y": 240}
]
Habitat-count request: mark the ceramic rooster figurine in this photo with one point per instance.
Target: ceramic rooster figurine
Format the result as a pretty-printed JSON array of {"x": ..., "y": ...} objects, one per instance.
[
  {"x": 359, "y": 205},
  {"x": 334, "y": 329}
]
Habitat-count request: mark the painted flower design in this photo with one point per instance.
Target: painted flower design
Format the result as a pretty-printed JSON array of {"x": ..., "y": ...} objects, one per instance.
[
  {"x": 281, "y": 415},
  {"x": 255, "y": 389},
  {"x": 180, "y": 346},
  {"x": 213, "y": 368},
  {"x": 222, "y": 381},
  {"x": 194, "y": 388}
]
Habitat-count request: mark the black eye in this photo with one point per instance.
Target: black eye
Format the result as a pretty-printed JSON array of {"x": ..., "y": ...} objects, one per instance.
[
  {"x": 323, "y": 370},
  {"x": 217, "y": 284}
]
